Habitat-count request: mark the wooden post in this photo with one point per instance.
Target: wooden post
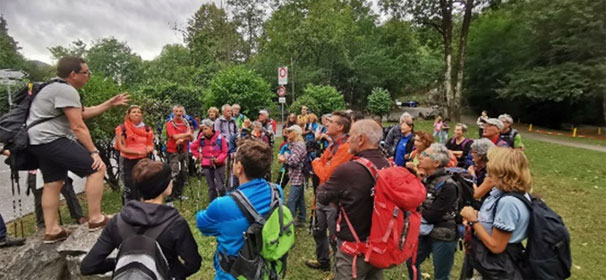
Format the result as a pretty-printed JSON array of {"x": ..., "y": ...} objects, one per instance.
[
  {"x": 599, "y": 131},
  {"x": 574, "y": 132},
  {"x": 530, "y": 128}
]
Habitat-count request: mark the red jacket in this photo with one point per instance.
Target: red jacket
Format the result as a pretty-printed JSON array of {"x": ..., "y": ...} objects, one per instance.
[
  {"x": 215, "y": 147},
  {"x": 174, "y": 127}
]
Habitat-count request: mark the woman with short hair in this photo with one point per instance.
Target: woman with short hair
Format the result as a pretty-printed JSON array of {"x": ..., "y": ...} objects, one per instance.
[
  {"x": 294, "y": 160},
  {"x": 502, "y": 222}
]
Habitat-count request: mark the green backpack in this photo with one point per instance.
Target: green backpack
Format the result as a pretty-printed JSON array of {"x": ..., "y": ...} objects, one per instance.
[{"x": 266, "y": 241}]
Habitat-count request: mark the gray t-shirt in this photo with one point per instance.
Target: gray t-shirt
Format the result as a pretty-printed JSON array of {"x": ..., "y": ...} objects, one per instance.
[{"x": 49, "y": 103}]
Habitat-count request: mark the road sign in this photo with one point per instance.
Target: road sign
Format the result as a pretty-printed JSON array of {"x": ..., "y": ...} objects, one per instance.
[
  {"x": 283, "y": 75},
  {"x": 8, "y": 82},
  {"x": 12, "y": 74},
  {"x": 282, "y": 100},
  {"x": 281, "y": 91}
]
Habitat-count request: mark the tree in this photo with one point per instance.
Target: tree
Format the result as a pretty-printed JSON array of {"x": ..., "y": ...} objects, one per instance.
[
  {"x": 238, "y": 84},
  {"x": 77, "y": 49},
  {"x": 327, "y": 98},
  {"x": 210, "y": 34},
  {"x": 187, "y": 95},
  {"x": 9, "y": 49},
  {"x": 379, "y": 102},
  {"x": 249, "y": 17},
  {"x": 439, "y": 15},
  {"x": 305, "y": 100},
  {"x": 114, "y": 59}
]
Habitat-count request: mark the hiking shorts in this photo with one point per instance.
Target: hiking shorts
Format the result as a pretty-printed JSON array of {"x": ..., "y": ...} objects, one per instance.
[{"x": 57, "y": 157}]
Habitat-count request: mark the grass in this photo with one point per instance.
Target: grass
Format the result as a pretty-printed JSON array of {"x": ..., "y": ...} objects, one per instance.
[{"x": 571, "y": 180}]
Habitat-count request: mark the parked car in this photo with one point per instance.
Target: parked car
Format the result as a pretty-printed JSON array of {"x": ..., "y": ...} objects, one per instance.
[{"x": 410, "y": 103}]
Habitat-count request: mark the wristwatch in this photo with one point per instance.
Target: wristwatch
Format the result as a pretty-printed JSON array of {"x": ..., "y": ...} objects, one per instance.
[{"x": 95, "y": 151}]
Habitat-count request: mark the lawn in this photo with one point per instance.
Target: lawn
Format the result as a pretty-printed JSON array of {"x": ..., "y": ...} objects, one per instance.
[{"x": 572, "y": 181}]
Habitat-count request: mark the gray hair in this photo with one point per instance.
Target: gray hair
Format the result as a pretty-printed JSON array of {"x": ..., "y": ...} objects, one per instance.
[
  {"x": 264, "y": 112},
  {"x": 463, "y": 127},
  {"x": 481, "y": 146},
  {"x": 440, "y": 154},
  {"x": 506, "y": 118},
  {"x": 223, "y": 108},
  {"x": 405, "y": 116},
  {"x": 370, "y": 129},
  {"x": 236, "y": 105},
  {"x": 207, "y": 122},
  {"x": 257, "y": 124},
  {"x": 179, "y": 106}
]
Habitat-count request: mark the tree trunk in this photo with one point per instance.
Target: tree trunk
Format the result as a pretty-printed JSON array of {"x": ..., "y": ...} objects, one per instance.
[
  {"x": 455, "y": 113},
  {"x": 446, "y": 7},
  {"x": 604, "y": 106},
  {"x": 292, "y": 78}
]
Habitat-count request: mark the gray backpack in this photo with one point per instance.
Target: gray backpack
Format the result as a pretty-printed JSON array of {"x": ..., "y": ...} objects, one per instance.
[{"x": 140, "y": 255}]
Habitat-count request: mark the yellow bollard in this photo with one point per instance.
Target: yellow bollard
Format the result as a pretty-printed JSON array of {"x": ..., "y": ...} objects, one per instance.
[
  {"x": 599, "y": 131},
  {"x": 574, "y": 132},
  {"x": 530, "y": 128}
]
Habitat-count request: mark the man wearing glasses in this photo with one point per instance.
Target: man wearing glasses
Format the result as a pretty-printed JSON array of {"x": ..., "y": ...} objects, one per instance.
[{"x": 61, "y": 141}]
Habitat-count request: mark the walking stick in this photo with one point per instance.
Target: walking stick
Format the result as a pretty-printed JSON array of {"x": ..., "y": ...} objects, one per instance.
[{"x": 13, "y": 176}]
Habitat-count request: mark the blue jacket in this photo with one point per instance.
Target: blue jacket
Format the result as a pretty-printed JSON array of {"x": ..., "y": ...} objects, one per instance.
[{"x": 226, "y": 221}]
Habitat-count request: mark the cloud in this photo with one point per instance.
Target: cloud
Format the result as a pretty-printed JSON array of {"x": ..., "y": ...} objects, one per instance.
[{"x": 145, "y": 25}]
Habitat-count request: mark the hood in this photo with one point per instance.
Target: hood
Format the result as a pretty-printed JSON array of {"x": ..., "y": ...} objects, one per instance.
[{"x": 138, "y": 213}]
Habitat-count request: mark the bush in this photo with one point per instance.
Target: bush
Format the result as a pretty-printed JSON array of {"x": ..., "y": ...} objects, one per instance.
[
  {"x": 188, "y": 96},
  {"x": 327, "y": 98},
  {"x": 305, "y": 100},
  {"x": 240, "y": 85},
  {"x": 379, "y": 102}
]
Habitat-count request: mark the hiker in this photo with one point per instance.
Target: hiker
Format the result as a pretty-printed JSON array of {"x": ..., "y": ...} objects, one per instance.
[
  {"x": 439, "y": 211},
  {"x": 7, "y": 241},
  {"x": 458, "y": 145},
  {"x": 479, "y": 152},
  {"x": 224, "y": 219},
  {"x": 302, "y": 118},
  {"x": 356, "y": 116},
  {"x": 492, "y": 131},
  {"x": 337, "y": 153},
  {"x": 135, "y": 141},
  {"x": 510, "y": 134},
  {"x": 153, "y": 181},
  {"x": 211, "y": 149},
  {"x": 225, "y": 124},
  {"x": 437, "y": 128},
  {"x": 294, "y": 161},
  {"x": 237, "y": 115},
  {"x": 212, "y": 113},
  {"x": 393, "y": 140},
  {"x": 179, "y": 134},
  {"x": 73, "y": 205},
  {"x": 502, "y": 222},
  {"x": 422, "y": 141},
  {"x": 310, "y": 128},
  {"x": 350, "y": 187},
  {"x": 53, "y": 142},
  {"x": 266, "y": 125},
  {"x": 321, "y": 135},
  {"x": 481, "y": 121},
  {"x": 290, "y": 121}
]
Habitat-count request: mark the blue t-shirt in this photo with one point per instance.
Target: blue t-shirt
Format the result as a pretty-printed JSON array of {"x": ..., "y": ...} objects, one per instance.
[
  {"x": 512, "y": 215},
  {"x": 401, "y": 150}
]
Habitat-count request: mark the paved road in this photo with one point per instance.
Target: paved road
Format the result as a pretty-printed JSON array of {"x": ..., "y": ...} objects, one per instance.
[
  {"x": 575, "y": 144},
  {"x": 27, "y": 202}
]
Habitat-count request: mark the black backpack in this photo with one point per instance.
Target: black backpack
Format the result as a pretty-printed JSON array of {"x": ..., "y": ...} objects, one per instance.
[
  {"x": 548, "y": 245},
  {"x": 139, "y": 254},
  {"x": 13, "y": 130},
  {"x": 464, "y": 183}
]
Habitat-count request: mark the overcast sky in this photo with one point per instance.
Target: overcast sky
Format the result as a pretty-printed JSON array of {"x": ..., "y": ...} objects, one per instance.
[{"x": 145, "y": 25}]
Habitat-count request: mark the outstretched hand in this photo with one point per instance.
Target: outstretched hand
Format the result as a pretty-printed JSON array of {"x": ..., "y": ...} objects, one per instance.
[{"x": 120, "y": 99}]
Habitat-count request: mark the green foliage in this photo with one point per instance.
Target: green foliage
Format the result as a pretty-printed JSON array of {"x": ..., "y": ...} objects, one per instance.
[
  {"x": 379, "y": 102},
  {"x": 77, "y": 49},
  {"x": 9, "y": 49},
  {"x": 188, "y": 96},
  {"x": 237, "y": 84},
  {"x": 112, "y": 58},
  {"x": 327, "y": 98},
  {"x": 305, "y": 100}
]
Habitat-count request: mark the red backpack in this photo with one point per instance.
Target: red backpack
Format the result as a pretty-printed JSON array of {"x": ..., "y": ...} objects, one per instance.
[{"x": 396, "y": 219}]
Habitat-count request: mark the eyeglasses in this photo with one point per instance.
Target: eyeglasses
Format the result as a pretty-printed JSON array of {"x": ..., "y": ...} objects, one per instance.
[
  {"x": 87, "y": 72},
  {"x": 425, "y": 154}
]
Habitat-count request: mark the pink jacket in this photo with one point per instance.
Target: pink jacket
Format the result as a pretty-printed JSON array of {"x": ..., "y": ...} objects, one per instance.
[{"x": 215, "y": 147}]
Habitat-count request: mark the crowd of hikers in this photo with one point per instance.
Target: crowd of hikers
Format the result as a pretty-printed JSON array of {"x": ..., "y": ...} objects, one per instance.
[{"x": 382, "y": 196}]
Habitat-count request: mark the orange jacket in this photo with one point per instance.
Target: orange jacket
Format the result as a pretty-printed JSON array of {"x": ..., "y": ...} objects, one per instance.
[{"x": 330, "y": 160}]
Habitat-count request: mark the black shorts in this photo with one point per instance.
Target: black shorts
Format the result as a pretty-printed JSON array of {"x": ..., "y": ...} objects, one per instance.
[{"x": 57, "y": 157}]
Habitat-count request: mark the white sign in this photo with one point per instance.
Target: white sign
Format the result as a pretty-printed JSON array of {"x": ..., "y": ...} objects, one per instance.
[
  {"x": 8, "y": 82},
  {"x": 282, "y": 100},
  {"x": 283, "y": 75},
  {"x": 12, "y": 74}
]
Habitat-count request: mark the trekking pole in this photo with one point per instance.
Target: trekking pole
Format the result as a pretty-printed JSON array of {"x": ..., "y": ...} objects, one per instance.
[
  {"x": 20, "y": 207},
  {"x": 14, "y": 201}
]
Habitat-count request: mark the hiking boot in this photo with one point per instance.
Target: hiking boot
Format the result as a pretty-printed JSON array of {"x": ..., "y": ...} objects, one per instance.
[
  {"x": 54, "y": 238},
  {"x": 316, "y": 265},
  {"x": 97, "y": 226},
  {"x": 9, "y": 242}
]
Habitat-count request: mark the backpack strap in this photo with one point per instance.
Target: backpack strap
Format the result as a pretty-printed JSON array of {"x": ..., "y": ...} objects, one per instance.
[
  {"x": 517, "y": 195},
  {"x": 246, "y": 207},
  {"x": 372, "y": 169}
]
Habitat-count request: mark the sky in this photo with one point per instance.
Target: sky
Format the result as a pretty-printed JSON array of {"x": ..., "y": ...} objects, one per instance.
[{"x": 145, "y": 25}]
